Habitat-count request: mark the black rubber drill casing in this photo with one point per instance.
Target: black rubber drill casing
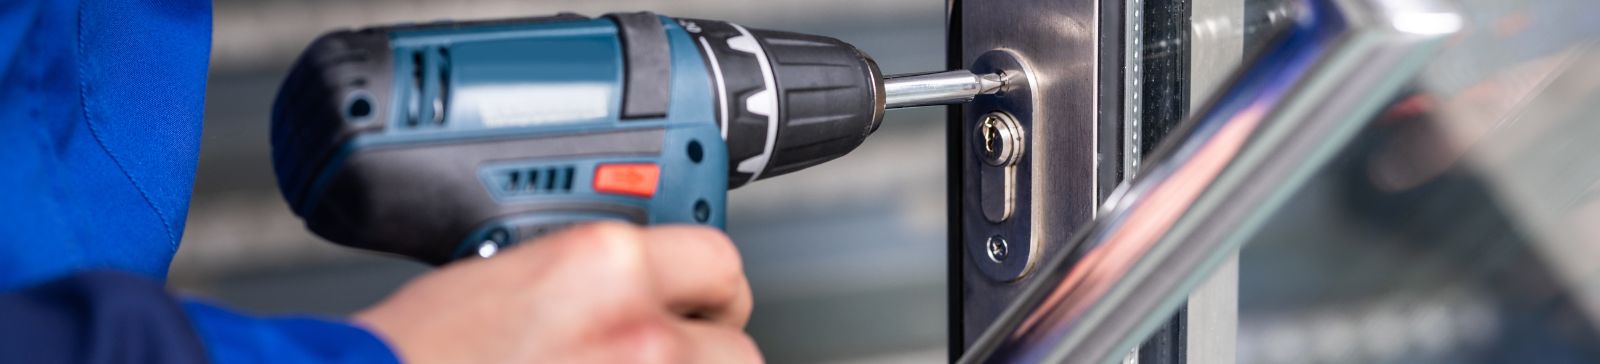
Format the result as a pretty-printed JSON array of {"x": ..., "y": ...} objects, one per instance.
[
  {"x": 829, "y": 98},
  {"x": 832, "y": 99}
]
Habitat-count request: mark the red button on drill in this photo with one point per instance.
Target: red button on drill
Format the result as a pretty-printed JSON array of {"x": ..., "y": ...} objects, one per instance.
[{"x": 637, "y": 179}]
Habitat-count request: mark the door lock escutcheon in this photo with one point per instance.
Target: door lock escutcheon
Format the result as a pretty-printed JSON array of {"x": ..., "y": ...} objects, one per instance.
[
  {"x": 997, "y": 167},
  {"x": 1055, "y": 78}
]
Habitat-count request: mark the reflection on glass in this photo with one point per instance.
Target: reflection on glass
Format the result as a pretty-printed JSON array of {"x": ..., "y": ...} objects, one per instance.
[{"x": 1462, "y": 225}]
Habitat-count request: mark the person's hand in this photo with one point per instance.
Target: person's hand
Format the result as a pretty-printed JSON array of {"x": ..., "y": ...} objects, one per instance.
[{"x": 599, "y": 293}]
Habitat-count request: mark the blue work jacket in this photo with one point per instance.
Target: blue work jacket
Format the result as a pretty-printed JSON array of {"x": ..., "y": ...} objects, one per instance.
[{"x": 100, "y": 118}]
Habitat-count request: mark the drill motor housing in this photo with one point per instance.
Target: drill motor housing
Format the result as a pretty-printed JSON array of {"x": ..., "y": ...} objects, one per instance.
[{"x": 444, "y": 140}]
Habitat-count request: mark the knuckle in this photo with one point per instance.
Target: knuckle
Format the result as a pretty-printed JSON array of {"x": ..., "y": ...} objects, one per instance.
[
  {"x": 732, "y": 267},
  {"x": 719, "y": 248},
  {"x": 731, "y": 288},
  {"x": 608, "y": 241},
  {"x": 732, "y": 261},
  {"x": 657, "y": 342},
  {"x": 746, "y": 299},
  {"x": 608, "y": 252},
  {"x": 746, "y": 348},
  {"x": 602, "y": 232},
  {"x": 724, "y": 249}
]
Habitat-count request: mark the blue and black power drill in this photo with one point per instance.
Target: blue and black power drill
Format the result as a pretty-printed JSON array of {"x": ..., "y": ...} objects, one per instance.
[{"x": 445, "y": 140}]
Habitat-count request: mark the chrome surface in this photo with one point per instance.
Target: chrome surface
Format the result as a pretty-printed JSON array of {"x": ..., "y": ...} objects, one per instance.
[
  {"x": 940, "y": 88},
  {"x": 1281, "y": 117}
]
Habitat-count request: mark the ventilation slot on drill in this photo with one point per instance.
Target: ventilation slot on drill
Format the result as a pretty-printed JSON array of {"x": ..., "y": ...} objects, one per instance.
[
  {"x": 441, "y": 99},
  {"x": 428, "y": 96},
  {"x": 542, "y": 180},
  {"x": 414, "y": 94}
]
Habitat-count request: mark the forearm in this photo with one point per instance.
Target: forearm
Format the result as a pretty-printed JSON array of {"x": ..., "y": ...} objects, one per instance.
[{"x": 105, "y": 317}]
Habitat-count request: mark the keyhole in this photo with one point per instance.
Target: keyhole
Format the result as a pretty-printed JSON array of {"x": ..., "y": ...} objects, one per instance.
[
  {"x": 991, "y": 136},
  {"x": 1001, "y": 139}
]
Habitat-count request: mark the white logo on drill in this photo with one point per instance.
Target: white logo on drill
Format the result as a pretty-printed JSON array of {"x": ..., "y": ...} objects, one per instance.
[
  {"x": 508, "y": 106},
  {"x": 764, "y": 102},
  {"x": 690, "y": 26}
]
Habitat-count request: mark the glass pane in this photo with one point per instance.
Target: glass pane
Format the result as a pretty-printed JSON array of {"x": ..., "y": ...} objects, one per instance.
[
  {"x": 1186, "y": 51},
  {"x": 1460, "y": 225}
]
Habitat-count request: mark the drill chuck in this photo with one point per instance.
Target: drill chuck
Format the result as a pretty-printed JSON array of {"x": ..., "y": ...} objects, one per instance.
[{"x": 788, "y": 101}]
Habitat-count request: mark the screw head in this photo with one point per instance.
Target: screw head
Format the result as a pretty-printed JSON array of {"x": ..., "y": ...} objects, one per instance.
[{"x": 998, "y": 249}]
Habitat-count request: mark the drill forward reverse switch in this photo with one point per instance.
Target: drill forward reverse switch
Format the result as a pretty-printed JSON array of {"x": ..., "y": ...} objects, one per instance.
[{"x": 443, "y": 140}]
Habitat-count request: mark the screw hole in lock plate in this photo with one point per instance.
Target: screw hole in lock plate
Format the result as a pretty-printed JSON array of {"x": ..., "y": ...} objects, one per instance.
[{"x": 997, "y": 233}]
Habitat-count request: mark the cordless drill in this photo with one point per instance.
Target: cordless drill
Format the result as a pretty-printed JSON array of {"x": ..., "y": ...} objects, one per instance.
[{"x": 446, "y": 140}]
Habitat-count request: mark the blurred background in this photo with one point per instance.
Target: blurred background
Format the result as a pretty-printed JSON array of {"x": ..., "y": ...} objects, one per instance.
[
  {"x": 846, "y": 259},
  {"x": 1462, "y": 224}
]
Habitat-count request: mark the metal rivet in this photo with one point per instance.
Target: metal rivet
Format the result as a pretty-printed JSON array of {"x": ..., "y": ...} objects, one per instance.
[{"x": 998, "y": 249}]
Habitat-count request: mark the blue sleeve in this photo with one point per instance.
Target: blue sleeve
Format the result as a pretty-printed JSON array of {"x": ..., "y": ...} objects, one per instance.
[
  {"x": 100, "y": 119},
  {"x": 233, "y": 338},
  {"x": 114, "y": 317},
  {"x": 96, "y": 317},
  {"x": 100, "y": 114}
]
